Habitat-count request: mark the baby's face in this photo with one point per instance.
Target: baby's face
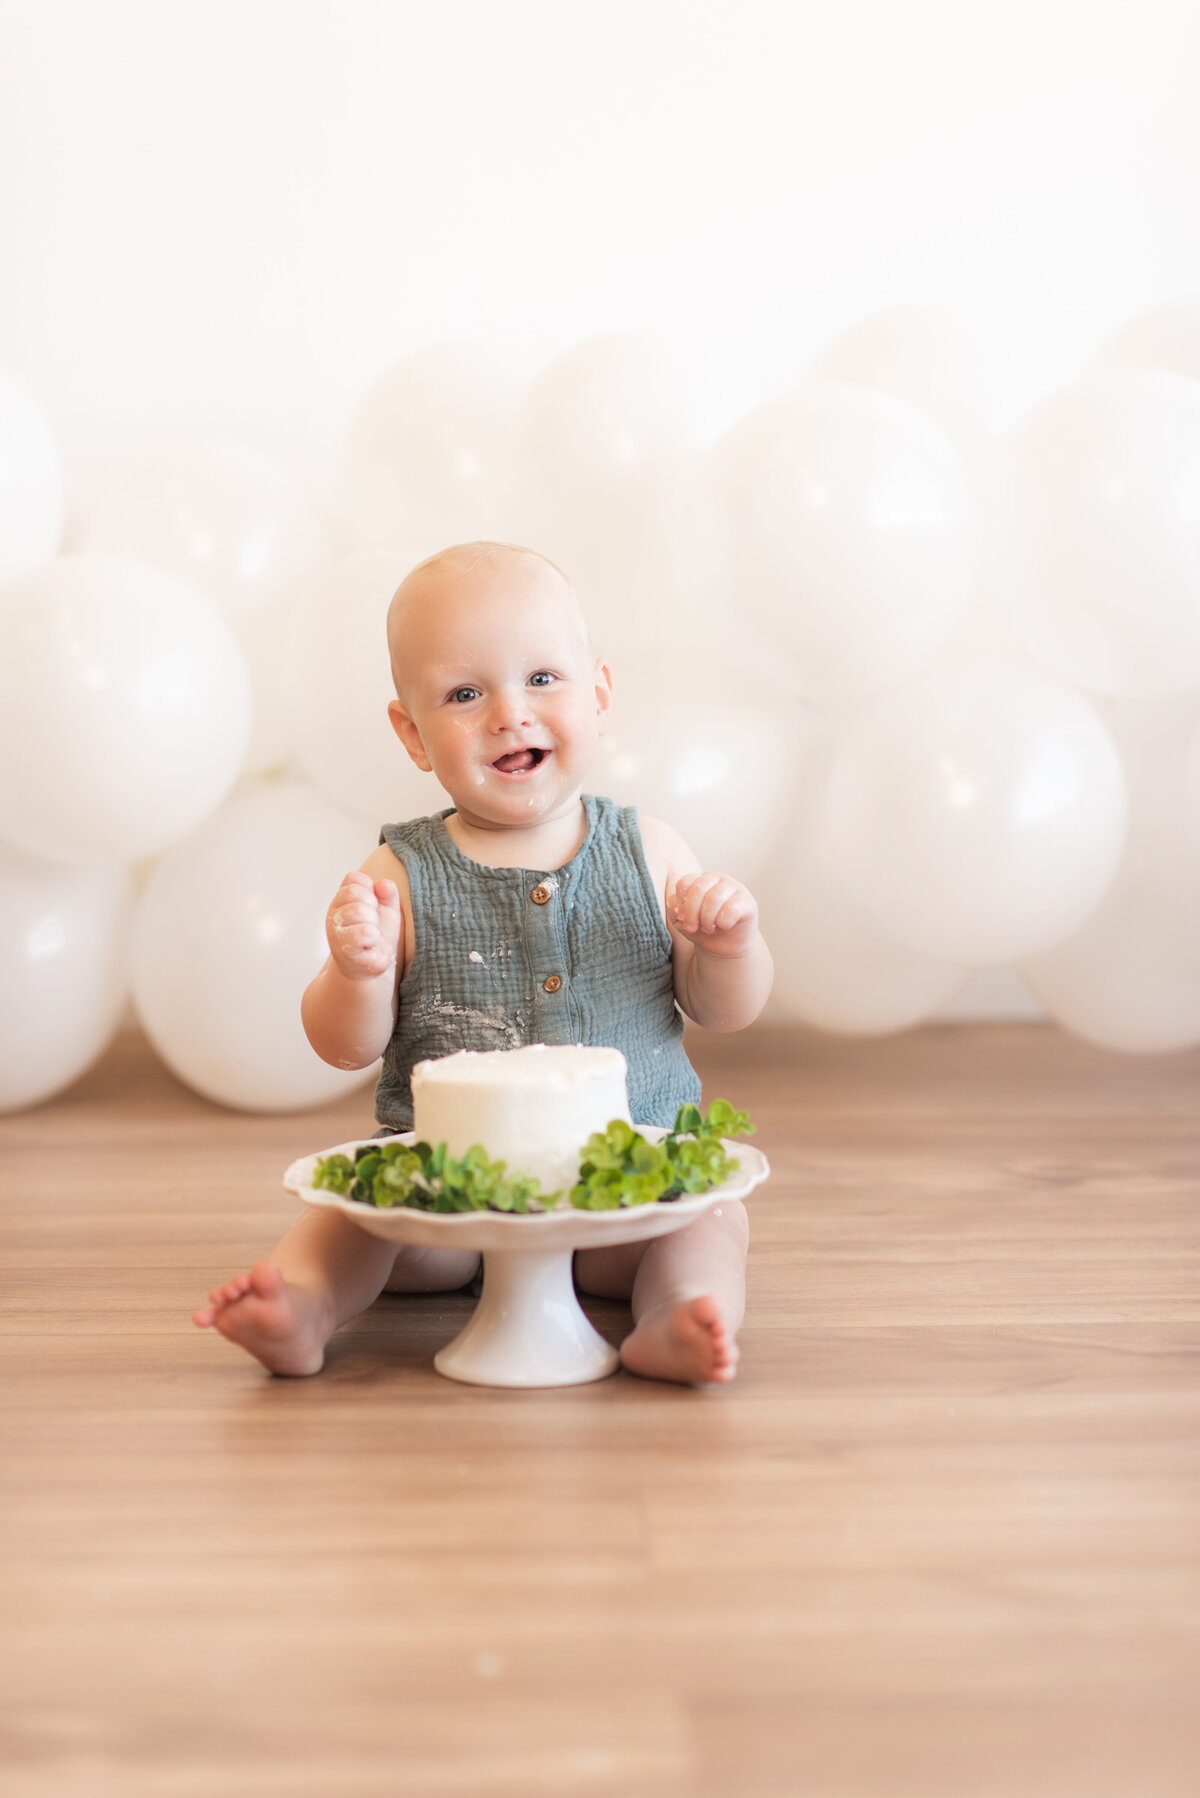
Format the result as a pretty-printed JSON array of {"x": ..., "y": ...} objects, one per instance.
[{"x": 501, "y": 694}]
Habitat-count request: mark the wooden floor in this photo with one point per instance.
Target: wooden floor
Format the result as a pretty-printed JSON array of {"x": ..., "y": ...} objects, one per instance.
[{"x": 942, "y": 1537}]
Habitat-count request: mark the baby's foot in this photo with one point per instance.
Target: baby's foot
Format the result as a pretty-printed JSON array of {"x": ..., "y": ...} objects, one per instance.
[
  {"x": 279, "y": 1324},
  {"x": 687, "y": 1342}
]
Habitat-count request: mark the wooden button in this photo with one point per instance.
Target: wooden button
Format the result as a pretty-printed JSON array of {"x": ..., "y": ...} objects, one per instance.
[
  {"x": 552, "y": 982},
  {"x": 540, "y": 895}
]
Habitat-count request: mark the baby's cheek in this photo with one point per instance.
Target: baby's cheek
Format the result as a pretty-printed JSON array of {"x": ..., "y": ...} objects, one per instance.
[{"x": 571, "y": 721}]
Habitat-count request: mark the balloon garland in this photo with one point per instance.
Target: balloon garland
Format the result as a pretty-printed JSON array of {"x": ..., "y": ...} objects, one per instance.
[{"x": 923, "y": 669}]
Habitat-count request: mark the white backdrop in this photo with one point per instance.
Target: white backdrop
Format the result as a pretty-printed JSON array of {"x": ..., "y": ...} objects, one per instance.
[{"x": 256, "y": 205}]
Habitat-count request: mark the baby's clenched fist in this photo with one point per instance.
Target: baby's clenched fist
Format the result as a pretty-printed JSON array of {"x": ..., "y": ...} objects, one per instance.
[
  {"x": 713, "y": 911},
  {"x": 364, "y": 926}
]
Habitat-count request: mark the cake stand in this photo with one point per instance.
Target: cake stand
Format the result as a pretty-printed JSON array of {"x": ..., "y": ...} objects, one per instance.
[{"x": 528, "y": 1328}]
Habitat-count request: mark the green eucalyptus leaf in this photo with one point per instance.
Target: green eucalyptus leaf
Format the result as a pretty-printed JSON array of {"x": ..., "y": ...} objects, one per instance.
[{"x": 335, "y": 1173}]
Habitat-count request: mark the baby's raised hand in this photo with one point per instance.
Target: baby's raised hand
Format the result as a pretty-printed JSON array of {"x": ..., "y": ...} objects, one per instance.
[
  {"x": 364, "y": 926},
  {"x": 714, "y": 912}
]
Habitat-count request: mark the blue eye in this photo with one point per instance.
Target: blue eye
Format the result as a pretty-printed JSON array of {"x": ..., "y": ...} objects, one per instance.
[
  {"x": 542, "y": 679},
  {"x": 463, "y": 695}
]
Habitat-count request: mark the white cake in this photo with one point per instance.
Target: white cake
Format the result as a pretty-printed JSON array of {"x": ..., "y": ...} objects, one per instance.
[{"x": 531, "y": 1108}]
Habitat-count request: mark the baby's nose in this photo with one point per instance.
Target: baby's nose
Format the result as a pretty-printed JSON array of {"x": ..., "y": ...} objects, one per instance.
[{"x": 509, "y": 711}]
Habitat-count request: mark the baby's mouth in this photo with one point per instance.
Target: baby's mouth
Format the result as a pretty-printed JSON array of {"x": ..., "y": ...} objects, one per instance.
[{"x": 519, "y": 761}]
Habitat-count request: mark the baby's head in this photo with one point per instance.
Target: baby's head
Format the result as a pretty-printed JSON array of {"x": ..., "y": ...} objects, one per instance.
[
  {"x": 469, "y": 576},
  {"x": 498, "y": 688}
]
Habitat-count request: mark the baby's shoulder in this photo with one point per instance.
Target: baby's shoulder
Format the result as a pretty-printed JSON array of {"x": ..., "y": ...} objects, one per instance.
[
  {"x": 411, "y": 838},
  {"x": 667, "y": 855},
  {"x": 384, "y": 864}
]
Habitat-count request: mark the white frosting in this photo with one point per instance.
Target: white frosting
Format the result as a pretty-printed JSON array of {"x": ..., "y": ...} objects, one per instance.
[{"x": 531, "y": 1108}]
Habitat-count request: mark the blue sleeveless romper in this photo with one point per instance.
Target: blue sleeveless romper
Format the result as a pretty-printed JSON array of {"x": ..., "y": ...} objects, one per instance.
[{"x": 510, "y": 956}]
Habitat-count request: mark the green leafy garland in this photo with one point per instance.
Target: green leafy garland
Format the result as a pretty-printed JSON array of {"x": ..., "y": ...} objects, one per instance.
[
  {"x": 425, "y": 1179},
  {"x": 619, "y": 1167}
]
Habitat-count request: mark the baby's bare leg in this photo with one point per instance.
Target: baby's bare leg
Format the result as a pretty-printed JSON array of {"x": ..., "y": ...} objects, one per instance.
[
  {"x": 324, "y": 1272},
  {"x": 432, "y": 1270},
  {"x": 688, "y": 1293}
]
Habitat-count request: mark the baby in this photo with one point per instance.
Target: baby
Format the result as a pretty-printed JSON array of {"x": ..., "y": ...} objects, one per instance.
[{"x": 499, "y": 692}]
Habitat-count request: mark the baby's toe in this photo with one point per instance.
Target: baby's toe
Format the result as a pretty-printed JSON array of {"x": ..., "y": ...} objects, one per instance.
[{"x": 266, "y": 1280}]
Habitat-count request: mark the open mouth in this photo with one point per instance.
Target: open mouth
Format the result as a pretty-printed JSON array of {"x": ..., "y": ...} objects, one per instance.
[{"x": 520, "y": 761}]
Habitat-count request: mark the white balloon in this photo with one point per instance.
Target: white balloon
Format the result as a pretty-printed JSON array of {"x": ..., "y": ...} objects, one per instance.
[
  {"x": 238, "y": 526},
  {"x": 228, "y": 933},
  {"x": 428, "y": 452},
  {"x": 1129, "y": 978},
  {"x": 852, "y": 532},
  {"x": 1096, "y": 532},
  {"x": 124, "y": 704},
  {"x": 615, "y": 412},
  {"x": 978, "y": 814},
  {"x": 609, "y": 431},
  {"x": 937, "y": 358},
  {"x": 1191, "y": 801},
  {"x": 654, "y": 568},
  {"x": 686, "y": 746},
  {"x": 232, "y": 522},
  {"x": 993, "y": 995},
  {"x": 340, "y": 733},
  {"x": 63, "y": 971},
  {"x": 835, "y": 967},
  {"x": 1167, "y": 337},
  {"x": 272, "y": 643},
  {"x": 616, "y": 559},
  {"x": 32, "y": 500}
]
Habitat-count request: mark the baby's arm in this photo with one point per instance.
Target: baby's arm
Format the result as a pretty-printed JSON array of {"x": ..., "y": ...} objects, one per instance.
[
  {"x": 349, "y": 1010},
  {"x": 723, "y": 968}
]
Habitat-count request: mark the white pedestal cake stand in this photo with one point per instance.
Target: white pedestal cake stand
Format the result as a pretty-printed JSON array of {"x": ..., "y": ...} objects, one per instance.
[{"x": 528, "y": 1328}]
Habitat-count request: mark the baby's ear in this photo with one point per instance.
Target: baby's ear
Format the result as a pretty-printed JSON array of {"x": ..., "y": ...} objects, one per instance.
[
  {"x": 604, "y": 696},
  {"x": 409, "y": 735}
]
